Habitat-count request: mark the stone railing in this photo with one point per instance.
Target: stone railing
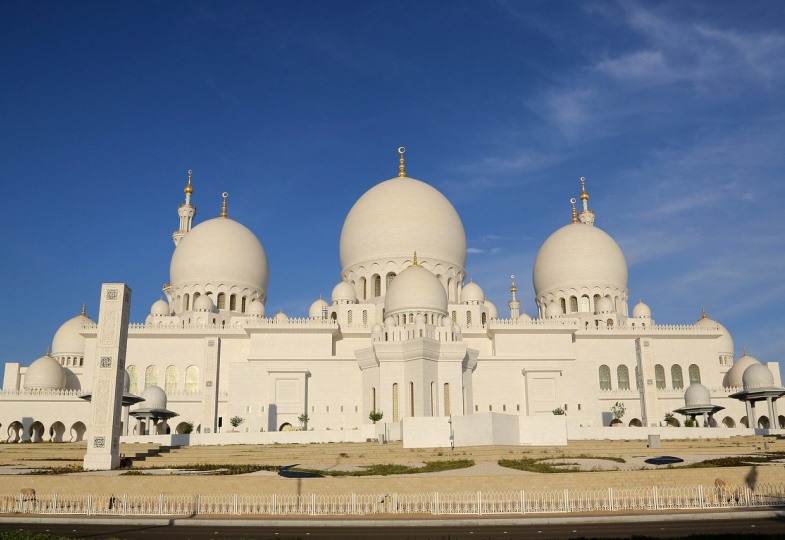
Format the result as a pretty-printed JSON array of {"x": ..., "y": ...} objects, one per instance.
[
  {"x": 559, "y": 501},
  {"x": 37, "y": 394}
]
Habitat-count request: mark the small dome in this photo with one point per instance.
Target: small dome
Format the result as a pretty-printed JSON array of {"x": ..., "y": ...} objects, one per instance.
[
  {"x": 757, "y": 376},
  {"x": 204, "y": 303},
  {"x": 159, "y": 308},
  {"x": 697, "y": 394},
  {"x": 46, "y": 373},
  {"x": 552, "y": 310},
  {"x": 154, "y": 398},
  {"x": 523, "y": 316},
  {"x": 343, "y": 293},
  {"x": 415, "y": 289},
  {"x": 377, "y": 329},
  {"x": 734, "y": 377},
  {"x": 68, "y": 339},
  {"x": 317, "y": 309},
  {"x": 604, "y": 305},
  {"x": 641, "y": 311},
  {"x": 472, "y": 294},
  {"x": 493, "y": 313},
  {"x": 281, "y": 317},
  {"x": 725, "y": 342},
  {"x": 255, "y": 307}
]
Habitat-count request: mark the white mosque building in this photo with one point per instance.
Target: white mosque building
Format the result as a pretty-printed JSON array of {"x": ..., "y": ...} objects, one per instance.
[{"x": 403, "y": 334}]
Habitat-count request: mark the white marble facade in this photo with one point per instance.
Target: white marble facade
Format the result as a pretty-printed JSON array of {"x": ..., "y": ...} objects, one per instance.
[{"x": 404, "y": 333}]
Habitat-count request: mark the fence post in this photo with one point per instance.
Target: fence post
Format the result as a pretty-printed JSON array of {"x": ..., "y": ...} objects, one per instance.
[
  {"x": 566, "y": 500},
  {"x": 313, "y": 504},
  {"x": 354, "y": 503},
  {"x": 89, "y": 504},
  {"x": 700, "y": 494},
  {"x": 611, "y": 506},
  {"x": 746, "y": 495},
  {"x": 479, "y": 503},
  {"x": 523, "y": 502},
  {"x": 54, "y": 503},
  {"x": 436, "y": 503},
  {"x": 161, "y": 504},
  {"x": 656, "y": 498},
  {"x": 198, "y": 505}
]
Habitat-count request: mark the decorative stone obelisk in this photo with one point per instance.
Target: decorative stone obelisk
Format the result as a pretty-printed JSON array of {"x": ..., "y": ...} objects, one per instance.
[
  {"x": 212, "y": 361},
  {"x": 103, "y": 442}
]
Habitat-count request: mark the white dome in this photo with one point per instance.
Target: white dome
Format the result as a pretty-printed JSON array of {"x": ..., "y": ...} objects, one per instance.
[
  {"x": 757, "y": 376},
  {"x": 204, "y": 303},
  {"x": 159, "y": 308},
  {"x": 255, "y": 307},
  {"x": 641, "y": 311},
  {"x": 552, "y": 310},
  {"x": 394, "y": 219},
  {"x": 472, "y": 293},
  {"x": 46, "y": 373},
  {"x": 344, "y": 293},
  {"x": 154, "y": 398},
  {"x": 579, "y": 255},
  {"x": 493, "y": 313},
  {"x": 734, "y": 377},
  {"x": 604, "y": 305},
  {"x": 281, "y": 317},
  {"x": 415, "y": 289},
  {"x": 697, "y": 394},
  {"x": 524, "y": 317},
  {"x": 725, "y": 342},
  {"x": 219, "y": 251},
  {"x": 317, "y": 309},
  {"x": 68, "y": 338}
]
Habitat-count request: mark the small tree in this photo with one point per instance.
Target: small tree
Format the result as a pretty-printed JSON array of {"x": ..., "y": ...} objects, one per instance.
[
  {"x": 236, "y": 421},
  {"x": 303, "y": 418},
  {"x": 618, "y": 410},
  {"x": 375, "y": 416},
  {"x": 188, "y": 427},
  {"x": 558, "y": 411},
  {"x": 669, "y": 419}
]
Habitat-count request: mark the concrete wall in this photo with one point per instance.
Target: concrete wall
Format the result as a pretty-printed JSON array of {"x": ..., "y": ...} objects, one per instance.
[
  {"x": 362, "y": 434},
  {"x": 576, "y": 433}
]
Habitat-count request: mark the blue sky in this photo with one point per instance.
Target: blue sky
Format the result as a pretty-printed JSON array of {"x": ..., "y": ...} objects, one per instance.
[{"x": 673, "y": 111}]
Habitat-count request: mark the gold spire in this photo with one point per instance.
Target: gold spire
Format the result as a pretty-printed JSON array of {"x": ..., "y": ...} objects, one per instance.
[
  {"x": 703, "y": 312},
  {"x": 415, "y": 259},
  {"x": 744, "y": 350},
  {"x": 401, "y": 164},
  {"x": 84, "y": 309},
  {"x": 574, "y": 212},
  {"x": 189, "y": 188},
  {"x": 584, "y": 195},
  {"x": 513, "y": 288},
  {"x": 223, "y": 205},
  {"x": 48, "y": 350}
]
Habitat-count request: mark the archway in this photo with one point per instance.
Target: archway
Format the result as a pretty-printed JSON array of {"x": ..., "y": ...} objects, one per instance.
[
  {"x": 712, "y": 421},
  {"x": 728, "y": 422},
  {"x": 763, "y": 422},
  {"x": 286, "y": 426},
  {"x": 616, "y": 422},
  {"x": 36, "y": 432},
  {"x": 15, "y": 431},
  {"x": 184, "y": 428},
  {"x": 78, "y": 429},
  {"x": 744, "y": 422},
  {"x": 674, "y": 422},
  {"x": 56, "y": 432},
  {"x": 781, "y": 421},
  {"x": 635, "y": 423}
]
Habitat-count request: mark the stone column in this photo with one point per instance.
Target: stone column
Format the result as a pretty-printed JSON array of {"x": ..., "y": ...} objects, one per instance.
[
  {"x": 751, "y": 414},
  {"x": 772, "y": 417},
  {"x": 209, "y": 390},
  {"x": 103, "y": 442}
]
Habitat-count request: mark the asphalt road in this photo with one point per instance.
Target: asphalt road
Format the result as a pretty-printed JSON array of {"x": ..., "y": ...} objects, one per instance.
[{"x": 666, "y": 528}]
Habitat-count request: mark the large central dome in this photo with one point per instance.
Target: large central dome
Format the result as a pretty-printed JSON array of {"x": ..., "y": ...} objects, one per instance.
[{"x": 394, "y": 219}]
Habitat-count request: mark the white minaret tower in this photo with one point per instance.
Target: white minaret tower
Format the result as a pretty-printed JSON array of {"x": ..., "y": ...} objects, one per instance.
[
  {"x": 186, "y": 212},
  {"x": 586, "y": 216},
  {"x": 515, "y": 306}
]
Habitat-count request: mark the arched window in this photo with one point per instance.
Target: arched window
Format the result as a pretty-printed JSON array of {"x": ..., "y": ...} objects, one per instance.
[
  {"x": 447, "y": 399},
  {"x": 584, "y": 307},
  {"x": 390, "y": 277},
  {"x": 221, "y": 301},
  {"x": 396, "y": 409},
  {"x": 191, "y": 379},
  {"x": 363, "y": 290},
  {"x": 609, "y": 322},
  {"x": 334, "y": 316},
  {"x": 484, "y": 319},
  {"x": 695, "y": 374},
  {"x": 365, "y": 317},
  {"x": 468, "y": 318},
  {"x": 563, "y": 305},
  {"x": 196, "y": 295},
  {"x": 132, "y": 377},
  {"x": 623, "y": 376},
  {"x": 659, "y": 376},
  {"x": 605, "y": 377},
  {"x": 233, "y": 302},
  {"x": 377, "y": 285},
  {"x": 677, "y": 379},
  {"x": 242, "y": 305},
  {"x": 454, "y": 317},
  {"x": 186, "y": 302},
  {"x": 573, "y": 304},
  {"x": 171, "y": 380},
  {"x": 596, "y": 299},
  {"x": 151, "y": 376},
  {"x": 349, "y": 317}
]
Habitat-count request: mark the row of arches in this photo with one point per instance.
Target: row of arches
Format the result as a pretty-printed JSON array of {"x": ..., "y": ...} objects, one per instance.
[
  {"x": 235, "y": 302},
  {"x": 584, "y": 303},
  {"x": 71, "y": 361},
  {"x": 37, "y": 432},
  {"x": 623, "y": 377},
  {"x": 172, "y": 381}
]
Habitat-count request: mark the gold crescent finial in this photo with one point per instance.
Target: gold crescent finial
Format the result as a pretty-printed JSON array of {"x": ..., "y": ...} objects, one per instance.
[
  {"x": 574, "y": 212},
  {"x": 513, "y": 288},
  {"x": 84, "y": 309},
  {"x": 703, "y": 312},
  {"x": 401, "y": 164},
  {"x": 584, "y": 195},
  {"x": 189, "y": 188},
  {"x": 415, "y": 259},
  {"x": 223, "y": 205}
]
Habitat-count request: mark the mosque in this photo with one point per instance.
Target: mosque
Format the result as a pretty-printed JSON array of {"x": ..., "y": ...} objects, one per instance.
[{"x": 403, "y": 339}]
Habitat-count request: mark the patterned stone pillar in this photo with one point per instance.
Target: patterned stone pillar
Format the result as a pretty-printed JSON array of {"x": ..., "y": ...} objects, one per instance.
[
  {"x": 212, "y": 360},
  {"x": 103, "y": 441}
]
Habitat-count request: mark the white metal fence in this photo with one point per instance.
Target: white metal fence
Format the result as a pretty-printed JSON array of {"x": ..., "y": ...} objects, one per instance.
[{"x": 436, "y": 503}]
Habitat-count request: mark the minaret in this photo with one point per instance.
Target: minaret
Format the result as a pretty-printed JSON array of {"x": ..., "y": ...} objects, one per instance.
[
  {"x": 586, "y": 216},
  {"x": 186, "y": 212},
  {"x": 515, "y": 306}
]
